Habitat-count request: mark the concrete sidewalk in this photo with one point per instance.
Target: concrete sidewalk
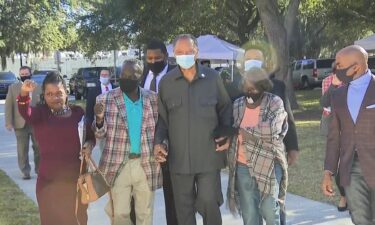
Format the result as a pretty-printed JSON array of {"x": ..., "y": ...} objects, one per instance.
[{"x": 300, "y": 210}]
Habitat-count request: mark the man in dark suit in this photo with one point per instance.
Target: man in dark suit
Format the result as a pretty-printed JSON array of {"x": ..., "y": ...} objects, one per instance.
[
  {"x": 156, "y": 67},
  {"x": 350, "y": 144},
  {"x": 104, "y": 85}
]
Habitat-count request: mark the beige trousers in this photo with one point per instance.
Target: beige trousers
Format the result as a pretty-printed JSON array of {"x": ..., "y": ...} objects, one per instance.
[{"x": 132, "y": 181}]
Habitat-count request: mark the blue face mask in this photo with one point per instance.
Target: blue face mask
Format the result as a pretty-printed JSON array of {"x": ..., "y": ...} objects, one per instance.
[
  {"x": 185, "y": 61},
  {"x": 252, "y": 63},
  {"x": 104, "y": 80}
]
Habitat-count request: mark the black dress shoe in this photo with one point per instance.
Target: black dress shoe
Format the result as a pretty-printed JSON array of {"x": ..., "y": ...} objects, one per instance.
[
  {"x": 342, "y": 209},
  {"x": 26, "y": 177}
]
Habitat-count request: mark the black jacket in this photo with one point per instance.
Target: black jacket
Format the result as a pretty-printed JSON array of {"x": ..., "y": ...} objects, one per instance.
[{"x": 147, "y": 70}]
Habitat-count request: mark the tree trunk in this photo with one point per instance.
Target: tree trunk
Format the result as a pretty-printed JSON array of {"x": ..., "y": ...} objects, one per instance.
[{"x": 277, "y": 32}]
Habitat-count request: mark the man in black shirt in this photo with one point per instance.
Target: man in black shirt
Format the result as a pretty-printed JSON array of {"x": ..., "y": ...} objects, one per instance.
[{"x": 192, "y": 104}]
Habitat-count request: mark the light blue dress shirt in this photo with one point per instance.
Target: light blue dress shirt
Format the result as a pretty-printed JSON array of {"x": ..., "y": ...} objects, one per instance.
[
  {"x": 356, "y": 93},
  {"x": 134, "y": 112}
]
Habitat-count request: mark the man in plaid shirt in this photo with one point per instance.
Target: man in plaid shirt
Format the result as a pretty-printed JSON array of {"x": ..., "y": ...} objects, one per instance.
[{"x": 126, "y": 119}]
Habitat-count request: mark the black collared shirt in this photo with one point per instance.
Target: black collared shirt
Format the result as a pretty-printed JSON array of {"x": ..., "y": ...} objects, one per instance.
[{"x": 189, "y": 112}]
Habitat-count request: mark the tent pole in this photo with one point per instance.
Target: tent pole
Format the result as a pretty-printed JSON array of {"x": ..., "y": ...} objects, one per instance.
[{"x": 232, "y": 71}]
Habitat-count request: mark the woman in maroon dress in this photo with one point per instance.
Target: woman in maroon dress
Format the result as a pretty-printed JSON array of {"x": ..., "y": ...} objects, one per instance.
[{"x": 56, "y": 129}]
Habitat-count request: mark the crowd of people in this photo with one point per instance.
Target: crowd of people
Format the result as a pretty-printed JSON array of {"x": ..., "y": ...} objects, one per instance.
[{"x": 177, "y": 127}]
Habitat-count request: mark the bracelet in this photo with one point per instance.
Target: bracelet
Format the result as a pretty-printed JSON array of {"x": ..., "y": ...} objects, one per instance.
[{"x": 23, "y": 100}]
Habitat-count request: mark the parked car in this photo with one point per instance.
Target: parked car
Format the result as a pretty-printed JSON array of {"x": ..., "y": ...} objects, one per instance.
[
  {"x": 39, "y": 75},
  {"x": 85, "y": 77},
  {"x": 6, "y": 79},
  {"x": 309, "y": 73}
]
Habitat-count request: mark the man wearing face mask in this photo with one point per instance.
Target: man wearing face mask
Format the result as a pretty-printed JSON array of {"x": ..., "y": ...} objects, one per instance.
[
  {"x": 193, "y": 104},
  {"x": 156, "y": 65},
  {"x": 156, "y": 68},
  {"x": 350, "y": 144},
  {"x": 103, "y": 86},
  {"x": 254, "y": 58},
  {"x": 23, "y": 131},
  {"x": 125, "y": 118}
]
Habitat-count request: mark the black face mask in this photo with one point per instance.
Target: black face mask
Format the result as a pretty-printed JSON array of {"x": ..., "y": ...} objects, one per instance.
[
  {"x": 128, "y": 85},
  {"x": 255, "y": 97},
  {"x": 23, "y": 78},
  {"x": 342, "y": 76},
  {"x": 156, "y": 67}
]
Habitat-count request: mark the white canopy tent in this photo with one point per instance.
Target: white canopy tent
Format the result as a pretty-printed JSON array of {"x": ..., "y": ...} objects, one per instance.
[
  {"x": 368, "y": 43},
  {"x": 213, "y": 48}
]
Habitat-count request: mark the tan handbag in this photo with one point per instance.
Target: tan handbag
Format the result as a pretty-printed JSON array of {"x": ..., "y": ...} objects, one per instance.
[{"x": 92, "y": 184}]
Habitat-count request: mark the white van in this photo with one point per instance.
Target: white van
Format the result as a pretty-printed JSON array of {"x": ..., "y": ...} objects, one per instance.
[{"x": 309, "y": 73}]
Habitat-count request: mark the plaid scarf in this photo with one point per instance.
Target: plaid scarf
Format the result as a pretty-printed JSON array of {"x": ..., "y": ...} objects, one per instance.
[{"x": 263, "y": 146}]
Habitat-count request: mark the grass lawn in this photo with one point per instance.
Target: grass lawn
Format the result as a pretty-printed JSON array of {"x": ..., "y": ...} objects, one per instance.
[
  {"x": 15, "y": 207},
  {"x": 305, "y": 177}
]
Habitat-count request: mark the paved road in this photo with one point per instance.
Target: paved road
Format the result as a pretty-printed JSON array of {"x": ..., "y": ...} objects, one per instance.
[{"x": 301, "y": 211}]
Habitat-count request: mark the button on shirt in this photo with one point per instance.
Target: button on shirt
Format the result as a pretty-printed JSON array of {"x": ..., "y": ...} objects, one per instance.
[
  {"x": 356, "y": 92},
  {"x": 134, "y": 112},
  {"x": 150, "y": 76}
]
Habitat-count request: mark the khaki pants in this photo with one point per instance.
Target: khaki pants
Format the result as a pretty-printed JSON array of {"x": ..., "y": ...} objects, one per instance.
[
  {"x": 132, "y": 182},
  {"x": 23, "y": 136}
]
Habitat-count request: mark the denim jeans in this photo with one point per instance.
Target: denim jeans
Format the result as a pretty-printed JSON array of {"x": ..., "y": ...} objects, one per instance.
[{"x": 252, "y": 208}]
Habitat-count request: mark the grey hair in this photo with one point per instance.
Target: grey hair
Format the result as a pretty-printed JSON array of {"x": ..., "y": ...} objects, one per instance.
[
  {"x": 138, "y": 66},
  {"x": 186, "y": 36}
]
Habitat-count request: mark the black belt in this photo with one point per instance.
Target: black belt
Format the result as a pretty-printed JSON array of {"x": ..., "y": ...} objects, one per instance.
[{"x": 134, "y": 156}]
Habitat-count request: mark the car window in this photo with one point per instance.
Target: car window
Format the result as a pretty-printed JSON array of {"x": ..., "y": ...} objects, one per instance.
[
  {"x": 298, "y": 65},
  {"x": 38, "y": 78},
  {"x": 324, "y": 63},
  {"x": 7, "y": 76},
  {"x": 308, "y": 64},
  {"x": 87, "y": 73}
]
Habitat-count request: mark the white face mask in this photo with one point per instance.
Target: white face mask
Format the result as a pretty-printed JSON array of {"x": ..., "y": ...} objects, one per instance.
[
  {"x": 252, "y": 63},
  {"x": 104, "y": 80},
  {"x": 185, "y": 61}
]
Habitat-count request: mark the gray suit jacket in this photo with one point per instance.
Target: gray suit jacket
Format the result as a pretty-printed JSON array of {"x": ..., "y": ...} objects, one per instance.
[
  {"x": 345, "y": 137},
  {"x": 12, "y": 116}
]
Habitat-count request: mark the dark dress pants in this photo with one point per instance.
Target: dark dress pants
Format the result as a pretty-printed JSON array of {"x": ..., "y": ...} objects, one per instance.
[
  {"x": 197, "y": 192},
  {"x": 360, "y": 197}
]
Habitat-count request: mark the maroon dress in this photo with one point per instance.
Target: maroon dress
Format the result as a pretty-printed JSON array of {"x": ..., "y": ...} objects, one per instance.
[{"x": 56, "y": 186}]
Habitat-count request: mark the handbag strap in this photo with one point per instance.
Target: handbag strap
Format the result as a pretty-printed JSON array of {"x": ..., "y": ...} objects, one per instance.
[
  {"x": 91, "y": 162},
  {"x": 77, "y": 194}
]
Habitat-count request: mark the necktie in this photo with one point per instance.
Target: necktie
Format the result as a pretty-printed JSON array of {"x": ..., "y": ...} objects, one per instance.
[
  {"x": 106, "y": 89},
  {"x": 153, "y": 83}
]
